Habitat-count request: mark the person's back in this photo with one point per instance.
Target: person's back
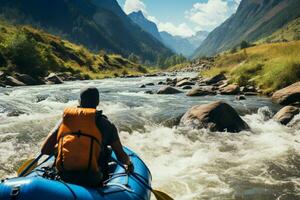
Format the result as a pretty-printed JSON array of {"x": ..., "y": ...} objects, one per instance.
[{"x": 80, "y": 139}]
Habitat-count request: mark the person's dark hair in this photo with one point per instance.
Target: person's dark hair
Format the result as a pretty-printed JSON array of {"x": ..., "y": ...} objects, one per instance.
[{"x": 89, "y": 97}]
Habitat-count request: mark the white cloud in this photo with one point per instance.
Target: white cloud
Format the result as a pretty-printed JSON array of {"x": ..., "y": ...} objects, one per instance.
[
  {"x": 134, "y": 5},
  {"x": 180, "y": 30},
  {"x": 209, "y": 15}
]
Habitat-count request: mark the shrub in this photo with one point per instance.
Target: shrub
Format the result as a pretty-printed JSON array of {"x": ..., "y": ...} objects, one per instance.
[{"x": 25, "y": 54}]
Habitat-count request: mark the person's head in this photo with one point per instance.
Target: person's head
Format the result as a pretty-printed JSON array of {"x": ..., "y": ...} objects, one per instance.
[{"x": 89, "y": 97}]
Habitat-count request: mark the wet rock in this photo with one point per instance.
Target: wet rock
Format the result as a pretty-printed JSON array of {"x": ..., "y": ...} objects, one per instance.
[
  {"x": 250, "y": 93},
  {"x": 231, "y": 89},
  {"x": 240, "y": 97},
  {"x": 149, "y": 92},
  {"x": 130, "y": 76},
  {"x": 187, "y": 87},
  {"x": 150, "y": 84},
  {"x": 151, "y": 75},
  {"x": 54, "y": 79},
  {"x": 184, "y": 83},
  {"x": 288, "y": 95},
  {"x": 215, "y": 79},
  {"x": 168, "y": 90},
  {"x": 28, "y": 80},
  {"x": 161, "y": 83},
  {"x": 68, "y": 76},
  {"x": 201, "y": 91},
  {"x": 142, "y": 86},
  {"x": 2, "y": 85},
  {"x": 11, "y": 81},
  {"x": 247, "y": 88},
  {"x": 15, "y": 113},
  {"x": 171, "y": 82},
  {"x": 286, "y": 114},
  {"x": 216, "y": 116},
  {"x": 2, "y": 74}
]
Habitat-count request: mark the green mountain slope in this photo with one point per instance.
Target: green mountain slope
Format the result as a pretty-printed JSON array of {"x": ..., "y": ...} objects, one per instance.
[
  {"x": 94, "y": 24},
  {"x": 254, "y": 19},
  {"x": 289, "y": 32},
  {"x": 30, "y": 51}
]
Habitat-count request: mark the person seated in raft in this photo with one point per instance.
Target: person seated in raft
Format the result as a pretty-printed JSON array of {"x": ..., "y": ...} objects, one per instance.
[{"x": 80, "y": 142}]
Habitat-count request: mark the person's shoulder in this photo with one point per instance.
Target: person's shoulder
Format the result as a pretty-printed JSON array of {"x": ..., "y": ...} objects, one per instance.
[{"x": 103, "y": 119}]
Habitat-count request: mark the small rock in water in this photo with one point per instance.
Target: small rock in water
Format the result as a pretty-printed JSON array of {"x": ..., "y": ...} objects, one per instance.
[
  {"x": 142, "y": 86},
  {"x": 15, "y": 113},
  {"x": 289, "y": 95},
  {"x": 232, "y": 89},
  {"x": 53, "y": 79},
  {"x": 150, "y": 84},
  {"x": 240, "y": 97},
  {"x": 215, "y": 79},
  {"x": 286, "y": 114},
  {"x": 149, "y": 92},
  {"x": 201, "y": 91},
  {"x": 160, "y": 83},
  {"x": 187, "y": 87},
  {"x": 11, "y": 81},
  {"x": 184, "y": 83},
  {"x": 28, "y": 80},
  {"x": 168, "y": 90}
]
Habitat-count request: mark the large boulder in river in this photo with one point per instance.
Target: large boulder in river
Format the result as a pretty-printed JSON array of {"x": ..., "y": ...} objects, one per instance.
[
  {"x": 286, "y": 114},
  {"x": 28, "y": 80},
  {"x": 184, "y": 83},
  {"x": 215, "y": 79},
  {"x": 201, "y": 91},
  {"x": 288, "y": 95},
  {"x": 11, "y": 81},
  {"x": 231, "y": 89},
  {"x": 168, "y": 90},
  {"x": 53, "y": 79},
  {"x": 216, "y": 116}
]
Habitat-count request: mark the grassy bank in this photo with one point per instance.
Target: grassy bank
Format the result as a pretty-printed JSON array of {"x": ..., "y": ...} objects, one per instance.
[
  {"x": 34, "y": 52},
  {"x": 267, "y": 66}
]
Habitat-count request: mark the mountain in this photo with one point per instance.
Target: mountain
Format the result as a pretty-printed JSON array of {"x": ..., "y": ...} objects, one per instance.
[
  {"x": 198, "y": 38},
  {"x": 254, "y": 19},
  {"x": 96, "y": 24},
  {"x": 25, "y": 50},
  {"x": 289, "y": 32},
  {"x": 180, "y": 45},
  {"x": 148, "y": 26},
  {"x": 185, "y": 46}
]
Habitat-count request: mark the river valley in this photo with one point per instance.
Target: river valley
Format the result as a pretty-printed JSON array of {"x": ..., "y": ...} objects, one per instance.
[{"x": 263, "y": 163}]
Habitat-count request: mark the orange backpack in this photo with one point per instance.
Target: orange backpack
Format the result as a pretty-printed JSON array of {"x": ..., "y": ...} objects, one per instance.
[{"x": 79, "y": 141}]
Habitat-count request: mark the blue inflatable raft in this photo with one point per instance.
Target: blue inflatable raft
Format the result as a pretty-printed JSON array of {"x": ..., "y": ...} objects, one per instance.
[{"x": 120, "y": 186}]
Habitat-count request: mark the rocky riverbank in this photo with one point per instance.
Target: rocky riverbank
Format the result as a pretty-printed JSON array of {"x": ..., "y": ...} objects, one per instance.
[{"x": 219, "y": 116}]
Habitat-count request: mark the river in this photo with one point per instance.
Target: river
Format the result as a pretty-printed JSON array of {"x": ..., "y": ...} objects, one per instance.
[{"x": 187, "y": 164}]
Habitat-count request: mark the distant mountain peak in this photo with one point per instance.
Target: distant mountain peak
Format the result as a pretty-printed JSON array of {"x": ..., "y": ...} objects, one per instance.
[
  {"x": 139, "y": 18},
  {"x": 253, "y": 20}
]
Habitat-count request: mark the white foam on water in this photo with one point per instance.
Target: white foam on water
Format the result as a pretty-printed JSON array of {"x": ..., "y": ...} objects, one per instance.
[
  {"x": 187, "y": 164},
  {"x": 213, "y": 165}
]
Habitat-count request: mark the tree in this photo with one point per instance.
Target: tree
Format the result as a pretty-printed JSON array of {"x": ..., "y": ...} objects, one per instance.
[
  {"x": 244, "y": 44},
  {"x": 25, "y": 54}
]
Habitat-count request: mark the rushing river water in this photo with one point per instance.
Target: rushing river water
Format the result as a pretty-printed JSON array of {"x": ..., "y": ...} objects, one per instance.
[{"x": 187, "y": 164}]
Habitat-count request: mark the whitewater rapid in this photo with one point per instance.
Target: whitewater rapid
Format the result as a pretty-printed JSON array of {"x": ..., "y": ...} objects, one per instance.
[{"x": 187, "y": 164}]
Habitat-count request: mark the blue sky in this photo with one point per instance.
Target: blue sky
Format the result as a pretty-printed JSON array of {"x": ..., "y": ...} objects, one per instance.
[{"x": 183, "y": 17}]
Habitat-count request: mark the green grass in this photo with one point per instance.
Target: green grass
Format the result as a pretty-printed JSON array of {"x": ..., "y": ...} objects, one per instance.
[
  {"x": 27, "y": 50},
  {"x": 268, "y": 66}
]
